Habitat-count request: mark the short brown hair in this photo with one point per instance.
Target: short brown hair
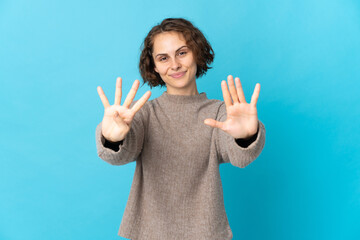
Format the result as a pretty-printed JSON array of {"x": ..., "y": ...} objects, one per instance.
[{"x": 203, "y": 52}]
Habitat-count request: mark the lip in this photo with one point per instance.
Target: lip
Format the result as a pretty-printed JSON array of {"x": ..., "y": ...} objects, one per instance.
[{"x": 178, "y": 75}]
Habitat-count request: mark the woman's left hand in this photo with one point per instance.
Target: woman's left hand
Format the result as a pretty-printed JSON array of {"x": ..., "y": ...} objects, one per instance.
[{"x": 242, "y": 119}]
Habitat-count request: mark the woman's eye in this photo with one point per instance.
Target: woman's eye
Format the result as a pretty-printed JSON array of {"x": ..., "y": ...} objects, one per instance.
[
  {"x": 162, "y": 59},
  {"x": 182, "y": 53}
]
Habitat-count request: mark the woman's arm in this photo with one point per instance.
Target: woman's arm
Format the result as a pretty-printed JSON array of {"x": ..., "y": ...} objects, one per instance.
[
  {"x": 125, "y": 151},
  {"x": 239, "y": 134},
  {"x": 239, "y": 152},
  {"x": 120, "y": 135}
]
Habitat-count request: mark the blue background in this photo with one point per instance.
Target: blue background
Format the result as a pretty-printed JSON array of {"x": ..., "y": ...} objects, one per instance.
[{"x": 305, "y": 54}]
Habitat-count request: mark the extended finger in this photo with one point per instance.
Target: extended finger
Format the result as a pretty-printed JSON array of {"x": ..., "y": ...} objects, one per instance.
[
  {"x": 141, "y": 102},
  {"x": 103, "y": 98},
  {"x": 226, "y": 94},
  {"x": 118, "y": 91},
  {"x": 213, "y": 123},
  {"x": 239, "y": 90},
  {"x": 255, "y": 96},
  {"x": 232, "y": 89},
  {"x": 131, "y": 95}
]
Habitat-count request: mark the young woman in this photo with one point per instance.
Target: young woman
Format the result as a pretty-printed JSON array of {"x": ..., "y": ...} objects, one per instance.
[{"x": 179, "y": 139}]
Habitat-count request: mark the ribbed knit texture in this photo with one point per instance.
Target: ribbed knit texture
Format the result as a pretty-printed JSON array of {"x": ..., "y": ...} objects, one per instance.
[{"x": 176, "y": 193}]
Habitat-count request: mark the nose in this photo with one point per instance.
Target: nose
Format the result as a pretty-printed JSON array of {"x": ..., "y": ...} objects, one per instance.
[{"x": 175, "y": 64}]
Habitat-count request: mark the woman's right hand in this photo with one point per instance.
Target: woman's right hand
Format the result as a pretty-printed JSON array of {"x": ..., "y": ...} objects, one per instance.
[{"x": 117, "y": 119}]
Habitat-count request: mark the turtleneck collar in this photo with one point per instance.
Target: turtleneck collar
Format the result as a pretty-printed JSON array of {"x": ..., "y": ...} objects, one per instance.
[{"x": 183, "y": 98}]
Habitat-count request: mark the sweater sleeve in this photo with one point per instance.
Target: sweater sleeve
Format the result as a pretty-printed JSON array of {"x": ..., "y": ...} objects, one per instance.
[
  {"x": 127, "y": 150},
  {"x": 238, "y": 152}
]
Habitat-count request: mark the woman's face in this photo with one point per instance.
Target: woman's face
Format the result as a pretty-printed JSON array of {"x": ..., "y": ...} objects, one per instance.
[{"x": 175, "y": 63}]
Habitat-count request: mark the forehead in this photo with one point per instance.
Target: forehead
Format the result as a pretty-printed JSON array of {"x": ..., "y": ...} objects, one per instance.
[{"x": 168, "y": 42}]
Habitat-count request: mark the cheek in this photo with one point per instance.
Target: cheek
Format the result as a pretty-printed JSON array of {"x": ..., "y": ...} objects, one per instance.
[
  {"x": 161, "y": 69},
  {"x": 156, "y": 68},
  {"x": 194, "y": 66},
  {"x": 192, "y": 62}
]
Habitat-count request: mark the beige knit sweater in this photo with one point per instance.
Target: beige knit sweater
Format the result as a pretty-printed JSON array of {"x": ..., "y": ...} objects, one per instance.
[{"x": 177, "y": 191}]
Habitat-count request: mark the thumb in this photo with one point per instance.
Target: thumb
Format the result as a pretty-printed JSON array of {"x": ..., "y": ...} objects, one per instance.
[
  {"x": 118, "y": 119},
  {"x": 213, "y": 123}
]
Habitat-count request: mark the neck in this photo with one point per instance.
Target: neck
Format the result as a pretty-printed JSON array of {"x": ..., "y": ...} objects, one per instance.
[
  {"x": 185, "y": 92},
  {"x": 167, "y": 98}
]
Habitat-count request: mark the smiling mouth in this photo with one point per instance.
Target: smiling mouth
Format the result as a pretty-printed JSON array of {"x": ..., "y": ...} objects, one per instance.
[{"x": 178, "y": 75}]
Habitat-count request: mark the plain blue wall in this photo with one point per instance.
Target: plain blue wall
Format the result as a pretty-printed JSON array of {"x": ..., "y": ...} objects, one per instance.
[{"x": 305, "y": 54}]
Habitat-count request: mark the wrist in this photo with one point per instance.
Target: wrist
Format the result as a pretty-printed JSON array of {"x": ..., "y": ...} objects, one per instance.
[{"x": 249, "y": 137}]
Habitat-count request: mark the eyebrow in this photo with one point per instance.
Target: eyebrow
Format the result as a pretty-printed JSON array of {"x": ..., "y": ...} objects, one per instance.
[{"x": 175, "y": 51}]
